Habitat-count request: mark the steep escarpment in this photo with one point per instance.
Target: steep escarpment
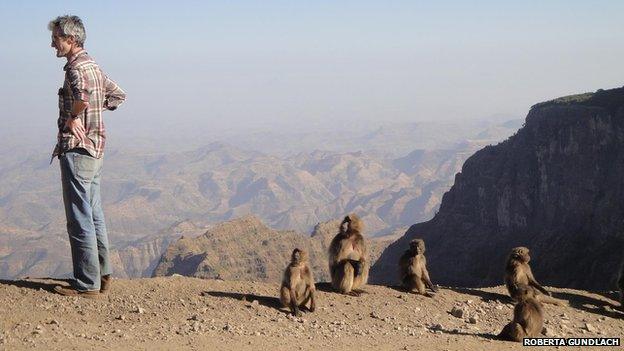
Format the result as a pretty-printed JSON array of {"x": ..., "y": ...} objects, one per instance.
[{"x": 557, "y": 186}]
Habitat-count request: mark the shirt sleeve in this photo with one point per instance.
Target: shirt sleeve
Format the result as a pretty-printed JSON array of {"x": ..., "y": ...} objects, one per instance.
[
  {"x": 79, "y": 85},
  {"x": 114, "y": 95}
]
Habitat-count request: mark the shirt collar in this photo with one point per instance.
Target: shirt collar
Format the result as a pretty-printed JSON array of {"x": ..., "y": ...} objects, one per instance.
[{"x": 73, "y": 58}]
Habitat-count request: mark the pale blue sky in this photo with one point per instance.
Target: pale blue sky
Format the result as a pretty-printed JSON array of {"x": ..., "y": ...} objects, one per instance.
[{"x": 227, "y": 64}]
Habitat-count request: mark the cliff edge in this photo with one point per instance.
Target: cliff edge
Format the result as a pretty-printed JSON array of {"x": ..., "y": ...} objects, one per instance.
[{"x": 556, "y": 186}]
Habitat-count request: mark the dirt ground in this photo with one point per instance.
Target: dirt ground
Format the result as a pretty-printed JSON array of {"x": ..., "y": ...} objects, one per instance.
[{"x": 193, "y": 314}]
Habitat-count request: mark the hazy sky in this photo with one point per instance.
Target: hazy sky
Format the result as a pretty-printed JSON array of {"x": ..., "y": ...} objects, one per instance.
[{"x": 226, "y": 64}]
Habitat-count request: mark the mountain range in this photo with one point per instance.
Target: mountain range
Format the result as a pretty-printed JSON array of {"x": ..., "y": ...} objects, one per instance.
[{"x": 147, "y": 194}]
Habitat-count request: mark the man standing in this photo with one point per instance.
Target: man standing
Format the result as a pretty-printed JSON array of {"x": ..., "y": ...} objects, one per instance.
[{"x": 85, "y": 94}]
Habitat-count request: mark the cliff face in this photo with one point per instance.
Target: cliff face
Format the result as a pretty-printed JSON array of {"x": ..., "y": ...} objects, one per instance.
[{"x": 557, "y": 187}]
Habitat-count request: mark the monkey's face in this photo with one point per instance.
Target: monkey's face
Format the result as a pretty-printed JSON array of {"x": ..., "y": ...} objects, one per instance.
[
  {"x": 344, "y": 225},
  {"x": 299, "y": 256},
  {"x": 350, "y": 225},
  {"x": 520, "y": 254},
  {"x": 417, "y": 246}
]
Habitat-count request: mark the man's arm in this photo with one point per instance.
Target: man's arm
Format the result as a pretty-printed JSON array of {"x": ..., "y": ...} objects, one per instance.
[
  {"x": 78, "y": 107},
  {"x": 75, "y": 124},
  {"x": 79, "y": 85},
  {"x": 80, "y": 89},
  {"x": 114, "y": 95}
]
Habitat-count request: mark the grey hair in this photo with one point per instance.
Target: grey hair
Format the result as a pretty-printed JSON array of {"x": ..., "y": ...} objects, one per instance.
[{"x": 70, "y": 25}]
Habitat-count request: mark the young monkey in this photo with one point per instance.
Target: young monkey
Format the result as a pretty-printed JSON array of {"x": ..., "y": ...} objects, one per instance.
[
  {"x": 298, "y": 284},
  {"x": 413, "y": 269}
]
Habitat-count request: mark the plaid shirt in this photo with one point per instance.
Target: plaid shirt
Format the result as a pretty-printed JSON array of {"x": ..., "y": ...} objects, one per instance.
[{"x": 85, "y": 81}]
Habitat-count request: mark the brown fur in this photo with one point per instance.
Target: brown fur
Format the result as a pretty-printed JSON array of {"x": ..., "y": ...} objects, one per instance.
[
  {"x": 413, "y": 269},
  {"x": 298, "y": 284},
  {"x": 518, "y": 274},
  {"x": 528, "y": 319},
  {"x": 348, "y": 257}
]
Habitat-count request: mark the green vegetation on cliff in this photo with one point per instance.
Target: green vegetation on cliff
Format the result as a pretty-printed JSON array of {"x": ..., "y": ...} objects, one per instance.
[{"x": 610, "y": 99}]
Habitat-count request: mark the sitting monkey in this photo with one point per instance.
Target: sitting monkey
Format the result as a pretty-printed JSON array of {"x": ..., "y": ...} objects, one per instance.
[
  {"x": 413, "y": 268},
  {"x": 518, "y": 273},
  {"x": 348, "y": 257},
  {"x": 528, "y": 317},
  {"x": 298, "y": 284}
]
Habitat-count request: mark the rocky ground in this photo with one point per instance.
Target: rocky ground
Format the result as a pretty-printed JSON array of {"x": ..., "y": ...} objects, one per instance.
[{"x": 188, "y": 313}]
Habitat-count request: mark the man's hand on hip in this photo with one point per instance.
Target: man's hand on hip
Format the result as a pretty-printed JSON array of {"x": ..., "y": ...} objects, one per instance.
[{"x": 76, "y": 127}]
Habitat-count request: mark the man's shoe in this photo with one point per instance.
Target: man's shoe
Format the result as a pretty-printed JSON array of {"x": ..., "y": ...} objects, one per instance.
[
  {"x": 68, "y": 291},
  {"x": 105, "y": 284}
]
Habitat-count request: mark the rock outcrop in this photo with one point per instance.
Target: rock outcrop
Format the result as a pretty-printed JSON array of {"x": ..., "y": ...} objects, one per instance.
[
  {"x": 246, "y": 249},
  {"x": 557, "y": 186}
]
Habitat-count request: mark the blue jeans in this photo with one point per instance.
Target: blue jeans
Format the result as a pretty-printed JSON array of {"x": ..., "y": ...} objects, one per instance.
[{"x": 80, "y": 175}]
